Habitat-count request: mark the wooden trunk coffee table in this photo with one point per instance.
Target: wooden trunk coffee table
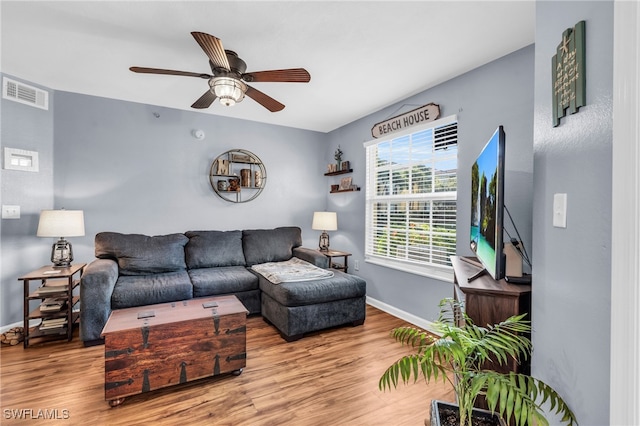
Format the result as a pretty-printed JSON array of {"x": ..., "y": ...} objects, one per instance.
[{"x": 151, "y": 347}]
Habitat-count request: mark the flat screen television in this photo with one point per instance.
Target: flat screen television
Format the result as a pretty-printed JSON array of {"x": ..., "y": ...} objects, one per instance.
[{"x": 487, "y": 205}]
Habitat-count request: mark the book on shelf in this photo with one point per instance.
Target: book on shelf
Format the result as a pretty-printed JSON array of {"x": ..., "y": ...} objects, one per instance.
[
  {"x": 50, "y": 308},
  {"x": 51, "y": 323},
  {"x": 51, "y": 327},
  {"x": 51, "y": 289},
  {"x": 57, "y": 330},
  {"x": 52, "y": 305},
  {"x": 54, "y": 320}
]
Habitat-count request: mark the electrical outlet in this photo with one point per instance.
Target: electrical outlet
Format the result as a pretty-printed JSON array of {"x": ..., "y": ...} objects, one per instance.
[
  {"x": 356, "y": 265},
  {"x": 10, "y": 212}
]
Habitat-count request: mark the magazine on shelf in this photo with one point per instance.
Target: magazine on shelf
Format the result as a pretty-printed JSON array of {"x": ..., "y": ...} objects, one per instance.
[
  {"x": 51, "y": 289},
  {"x": 52, "y": 305},
  {"x": 51, "y": 323}
]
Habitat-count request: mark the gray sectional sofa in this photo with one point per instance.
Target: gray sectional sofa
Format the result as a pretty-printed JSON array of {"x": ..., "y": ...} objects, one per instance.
[{"x": 138, "y": 270}]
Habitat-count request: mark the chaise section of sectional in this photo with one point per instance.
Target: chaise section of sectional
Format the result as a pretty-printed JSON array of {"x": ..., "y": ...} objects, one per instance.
[{"x": 300, "y": 307}]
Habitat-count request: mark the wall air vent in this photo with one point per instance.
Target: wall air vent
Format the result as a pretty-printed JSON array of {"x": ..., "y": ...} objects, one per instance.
[{"x": 25, "y": 94}]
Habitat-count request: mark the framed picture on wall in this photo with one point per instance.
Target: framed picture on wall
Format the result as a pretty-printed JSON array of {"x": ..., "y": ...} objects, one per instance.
[{"x": 345, "y": 184}]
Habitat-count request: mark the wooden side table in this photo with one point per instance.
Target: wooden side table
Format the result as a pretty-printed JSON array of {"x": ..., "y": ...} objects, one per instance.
[
  {"x": 56, "y": 311},
  {"x": 337, "y": 253}
]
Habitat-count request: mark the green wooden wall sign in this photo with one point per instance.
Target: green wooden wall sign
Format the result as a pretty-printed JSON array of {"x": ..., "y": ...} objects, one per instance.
[{"x": 568, "y": 73}]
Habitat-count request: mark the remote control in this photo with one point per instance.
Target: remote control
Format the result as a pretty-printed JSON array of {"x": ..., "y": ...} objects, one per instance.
[{"x": 525, "y": 279}]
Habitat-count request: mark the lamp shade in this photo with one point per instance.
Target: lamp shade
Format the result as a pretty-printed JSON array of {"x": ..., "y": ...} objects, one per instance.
[
  {"x": 61, "y": 223},
  {"x": 325, "y": 221}
]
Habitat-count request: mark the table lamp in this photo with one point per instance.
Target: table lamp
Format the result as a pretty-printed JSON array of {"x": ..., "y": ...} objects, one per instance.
[
  {"x": 324, "y": 221},
  {"x": 61, "y": 224}
]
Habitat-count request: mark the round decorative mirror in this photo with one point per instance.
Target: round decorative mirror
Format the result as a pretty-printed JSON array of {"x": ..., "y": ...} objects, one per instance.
[{"x": 237, "y": 176}]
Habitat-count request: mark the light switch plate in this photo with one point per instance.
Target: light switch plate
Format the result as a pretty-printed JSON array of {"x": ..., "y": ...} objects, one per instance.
[
  {"x": 560, "y": 210},
  {"x": 10, "y": 212}
]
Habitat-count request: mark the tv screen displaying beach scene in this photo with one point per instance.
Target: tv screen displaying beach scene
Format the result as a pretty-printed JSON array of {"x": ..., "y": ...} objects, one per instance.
[{"x": 487, "y": 189}]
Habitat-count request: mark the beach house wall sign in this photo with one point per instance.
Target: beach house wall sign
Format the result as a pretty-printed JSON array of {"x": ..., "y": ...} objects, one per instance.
[{"x": 423, "y": 114}]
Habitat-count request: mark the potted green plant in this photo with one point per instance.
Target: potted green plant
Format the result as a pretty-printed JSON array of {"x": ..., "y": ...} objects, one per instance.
[{"x": 460, "y": 355}]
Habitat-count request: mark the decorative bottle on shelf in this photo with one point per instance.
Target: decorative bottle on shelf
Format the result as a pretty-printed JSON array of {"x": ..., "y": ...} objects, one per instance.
[{"x": 338, "y": 157}]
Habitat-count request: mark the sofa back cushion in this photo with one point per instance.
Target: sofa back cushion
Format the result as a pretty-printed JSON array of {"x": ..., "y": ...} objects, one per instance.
[
  {"x": 270, "y": 245},
  {"x": 141, "y": 254},
  {"x": 210, "y": 249}
]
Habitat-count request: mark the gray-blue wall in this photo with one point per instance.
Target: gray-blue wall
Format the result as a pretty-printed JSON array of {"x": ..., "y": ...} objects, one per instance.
[
  {"x": 131, "y": 171},
  {"x": 498, "y": 93},
  {"x": 572, "y": 269},
  {"x": 31, "y": 129}
]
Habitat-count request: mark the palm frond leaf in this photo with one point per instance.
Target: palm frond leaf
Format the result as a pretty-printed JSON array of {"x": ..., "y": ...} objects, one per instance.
[{"x": 461, "y": 355}]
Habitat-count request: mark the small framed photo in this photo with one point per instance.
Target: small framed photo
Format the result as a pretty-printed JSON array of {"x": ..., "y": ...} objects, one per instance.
[{"x": 345, "y": 184}]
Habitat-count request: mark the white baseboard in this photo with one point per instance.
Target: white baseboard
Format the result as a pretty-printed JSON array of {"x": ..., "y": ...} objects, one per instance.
[
  {"x": 5, "y": 328},
  {"x": 398, "y": 313}
]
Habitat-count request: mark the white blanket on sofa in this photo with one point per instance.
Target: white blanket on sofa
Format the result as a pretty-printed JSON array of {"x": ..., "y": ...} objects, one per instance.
[{"x": 290, "y": 270}]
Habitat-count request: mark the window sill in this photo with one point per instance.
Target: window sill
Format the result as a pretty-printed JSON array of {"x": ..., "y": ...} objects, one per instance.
[{"x": 441, "y": 274}]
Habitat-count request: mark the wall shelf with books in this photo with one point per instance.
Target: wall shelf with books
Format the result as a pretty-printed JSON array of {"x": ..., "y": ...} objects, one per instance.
[{"x": 341, "y": 168}]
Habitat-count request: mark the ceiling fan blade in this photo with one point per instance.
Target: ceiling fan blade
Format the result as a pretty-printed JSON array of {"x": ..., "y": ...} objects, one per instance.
[
  {"x": 292, "y": 75},
  {"x": 169, "y": 72},
  {"x": 212, "y": 46},
  {"x": 266, "y": 101},
  {"x": 205, "y": 100}
]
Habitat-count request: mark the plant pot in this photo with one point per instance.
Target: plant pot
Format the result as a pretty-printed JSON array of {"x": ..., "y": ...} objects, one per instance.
[{"x": 447, "y": 414}]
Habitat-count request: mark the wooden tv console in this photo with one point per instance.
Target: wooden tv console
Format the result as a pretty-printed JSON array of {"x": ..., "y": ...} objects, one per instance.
[{"x": 488, "y": 301}]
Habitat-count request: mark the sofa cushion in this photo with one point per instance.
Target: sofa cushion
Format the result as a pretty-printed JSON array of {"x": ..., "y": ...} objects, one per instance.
[
  {"x": 270, "y": 245},
  {"x": 144, "y": 290},
  {"x": 142, "y": 255},
  {"x": 208, "y": 249},
  {"x": 222, "y": 280},
  {"x": 340, "y": 286}
]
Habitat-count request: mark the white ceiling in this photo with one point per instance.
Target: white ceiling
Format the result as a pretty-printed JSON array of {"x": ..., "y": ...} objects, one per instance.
[{"x": 362, "y": 55}]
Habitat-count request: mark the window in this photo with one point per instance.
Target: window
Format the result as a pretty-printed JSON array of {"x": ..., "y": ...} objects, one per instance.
[{"x": 411, "y": 192}]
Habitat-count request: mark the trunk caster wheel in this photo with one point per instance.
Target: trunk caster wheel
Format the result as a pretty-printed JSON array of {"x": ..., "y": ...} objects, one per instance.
[{"x": 116, "y": 402}]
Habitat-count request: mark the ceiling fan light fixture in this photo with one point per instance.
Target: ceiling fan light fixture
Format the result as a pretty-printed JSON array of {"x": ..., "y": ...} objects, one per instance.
[{"x": 229, "y": 90}]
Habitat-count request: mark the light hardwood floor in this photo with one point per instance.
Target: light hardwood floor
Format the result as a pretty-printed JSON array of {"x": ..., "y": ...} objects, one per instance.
[{"x": 326, "y": 378}]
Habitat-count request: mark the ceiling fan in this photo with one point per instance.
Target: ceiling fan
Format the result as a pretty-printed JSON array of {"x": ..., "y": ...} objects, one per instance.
[{"x": 229, "y": 80}]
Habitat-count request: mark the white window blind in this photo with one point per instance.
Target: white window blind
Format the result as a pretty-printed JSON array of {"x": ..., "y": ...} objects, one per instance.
[{"x": 411, "y": 192}]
